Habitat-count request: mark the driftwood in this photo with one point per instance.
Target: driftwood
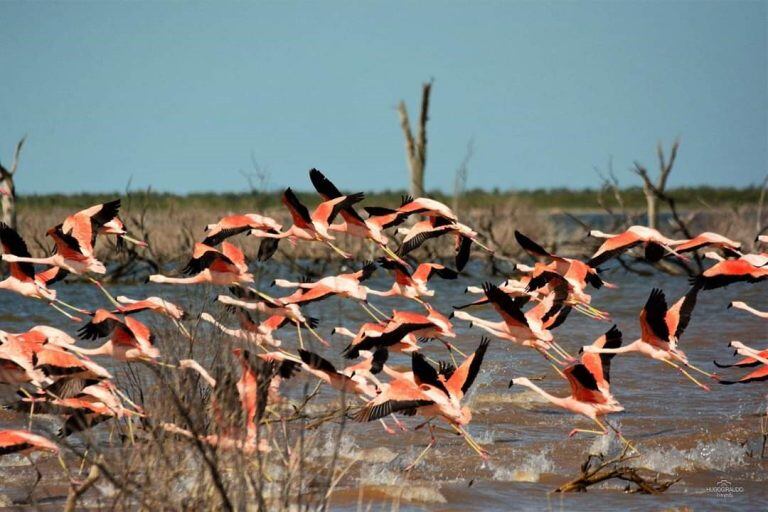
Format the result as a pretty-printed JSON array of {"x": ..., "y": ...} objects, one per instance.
[
  {"x": 656, "y": 191},
  {"x": 597, "y": 469},
  {"x": 416, "y": 147},
  {"x": 78, "y": 490},
  {"x": 8, "y": 189}
]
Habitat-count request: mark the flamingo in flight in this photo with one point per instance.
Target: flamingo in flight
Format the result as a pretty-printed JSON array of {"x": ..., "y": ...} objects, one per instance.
[
  {"x": 99, "y": 219},
  {"x": 250, "y": 394},
  {"x": 655, "y": 244},
  {"x": 23, "y": 279},
  {"x": 129, "y": 339},
  {"x": 69, "y": 255},
  {"x": 413, "y": 285},
  {"x": 223, "y": 267},
  {"x": 154, "y": 304},
  {"x": 432, "y": 393},
  {"x": 752, "y": 358},
  {"x": 433, "y": 324},
  {"x": 346, "y": 381},
  {"x": 661, "y": 328},
  {"x": 354, "y": 224},
  {"x": 344, "y": 285},
  {"x": 586, "y": 398},
  {"x": 729, "y": 271},
  {"x": 259, "y": 333},
  {"x": 371, "y": 330},
  {"x": 251, "y": 223},
  {"x": 14, "y": 441},
  {"x": 709, "y": 239},
  {"x": 314, "y": 227},
  {"x": 531, "y": 328},
  {"x": 436, "y": 226}
]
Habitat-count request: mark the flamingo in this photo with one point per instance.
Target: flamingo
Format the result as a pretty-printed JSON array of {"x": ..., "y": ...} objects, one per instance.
[
  {"x": 129, "y": 339},
  {"x": 586, "y": 398},
  {"x": 69, "y": 255},
  {"x": 725, "y": 272},
  {"x": 23, "y": 279},
  {"x": 661, "y": 329},
  {"x": 531, "y": 329},
  {"x": 13, "y": 441},
  {"x": 577, "y": 273},
  {"x": 743, "y": 306},
  {"x": 226, "y": 267},
  {"x": 237, "y": 407},
  {"x": 95, "y": 403},
  {"x": 413, "y": 285},
  {"x": 344, "y": 285},
  {"x": 371, "y": 330},
  {"x": 655, "y": 244},
  {"x": 709, "y": 239},
  {"x": 753, "y": 358},
  {"x": 314, "y": 227},
  {"x": 252, "y": 223},
  {"x": 431, "y": 393},
  {"x": 402, "y": 323},
  {"x": 436, "y": 226},
  {"x": 259, "y": 333},
  {"x": 154, "y": 304},
  {"x": 346, "y": 381},
  {"x": 354, "y": 224},
  {"x": 99, "y": 219}
]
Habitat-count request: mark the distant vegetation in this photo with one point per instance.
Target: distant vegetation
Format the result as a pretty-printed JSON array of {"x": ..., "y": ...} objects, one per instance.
[{"x": 557, "y": 198}]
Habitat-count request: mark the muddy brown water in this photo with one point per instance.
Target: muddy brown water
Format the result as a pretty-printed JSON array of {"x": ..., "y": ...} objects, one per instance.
[{"x": 710, "y": 440}]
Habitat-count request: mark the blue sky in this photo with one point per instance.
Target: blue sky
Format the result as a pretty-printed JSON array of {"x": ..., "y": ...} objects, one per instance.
[{"x": 179, "y": 95}]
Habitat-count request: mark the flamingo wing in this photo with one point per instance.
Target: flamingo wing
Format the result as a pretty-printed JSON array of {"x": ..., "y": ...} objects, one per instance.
[
  {"x": 235, "y": 255},
  {"x": 760, "y": 374},
  {"x": 203, "y": 257},
  {"x": 317, "y": 362},
  {"x": 508, "y": 308},
  {"x": 425, "y": 373},
  {"x": 462, "y": 251},
  {"x": 14, "y": 244},
  {"x": 106, "y": 213},
  {"x": 613, "y": 247},
  {"x": 328, "y": 191},
  {"x": 464, "y": 376},
  {"x": 67, "y": 245},
  {"x": 426, "y": 271},
  {"x": 12, "y": 441},
  {"x": 745, "y": 362},
  {"x": 599, "y": 365},
  {"x": 532, "y": 247},
  {"x": 328, "y": 210},
  {"x": 654, "y": 314},
  {"x": 375, "y": 411},
  {"x": 385, "y": 217},
  {"x": 583, "y": 384},
  {"x": 419, "y": 234},
  {"x": 101, "y": 326},
  {"x": 299, "y": 212},
  {"x": 680, "y": 313},
  {"x": 51, "y": 276},
  {"x": 223, "y": 234}
]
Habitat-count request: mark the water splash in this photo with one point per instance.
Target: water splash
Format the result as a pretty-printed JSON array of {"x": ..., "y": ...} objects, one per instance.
[
  {"x": 529, "y": 469},
  {"x": 717, "y": 455}
]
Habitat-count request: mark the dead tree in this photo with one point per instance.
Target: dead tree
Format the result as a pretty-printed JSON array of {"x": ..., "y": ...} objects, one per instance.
[
  {"x": 460, "y": 179},
  {"x": 416, "y": 148},
  {"x": 597, "y": 469},
  {"x": 8, "y": 189},
  {"x": 656, "y": 191}
]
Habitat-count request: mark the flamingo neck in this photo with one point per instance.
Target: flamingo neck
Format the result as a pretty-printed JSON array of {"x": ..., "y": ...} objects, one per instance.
[{"x": 561, "y": 402}]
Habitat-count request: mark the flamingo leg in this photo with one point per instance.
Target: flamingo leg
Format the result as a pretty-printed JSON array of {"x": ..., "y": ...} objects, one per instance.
[
  {"x": 71, "y": 317},
  {"x": 399, "y": 423},
  {"x": 688, "y": 375},
  {"x": 314, "y": 333},
  {"x": 341, "y": 253},
  {"x": 618, "y": 433},
  {"x": 108, "y": 295},
  {"x": 386, "y": 428},
  {"x": 298, "y": 332},
  {"x": 451, "y": 347},
  {"x": 585, "y": 431},
  {"x": 377, "y": 310},
  {"x": 560, "y": 350},
  {"x": 424, "y": 452},
  {"x": 73, "y": 308},
  {"x": 483, "y": 246},
  {"x": 471, "y": 442},
  {"x": 372, "y": 315}
]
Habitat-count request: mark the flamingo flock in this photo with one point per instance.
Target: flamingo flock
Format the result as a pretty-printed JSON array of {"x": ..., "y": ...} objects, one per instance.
[{"x": 389, "y": 373}]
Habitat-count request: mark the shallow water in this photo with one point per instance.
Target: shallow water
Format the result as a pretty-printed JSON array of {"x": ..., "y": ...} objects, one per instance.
[{"x": 703, "y": 437}]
